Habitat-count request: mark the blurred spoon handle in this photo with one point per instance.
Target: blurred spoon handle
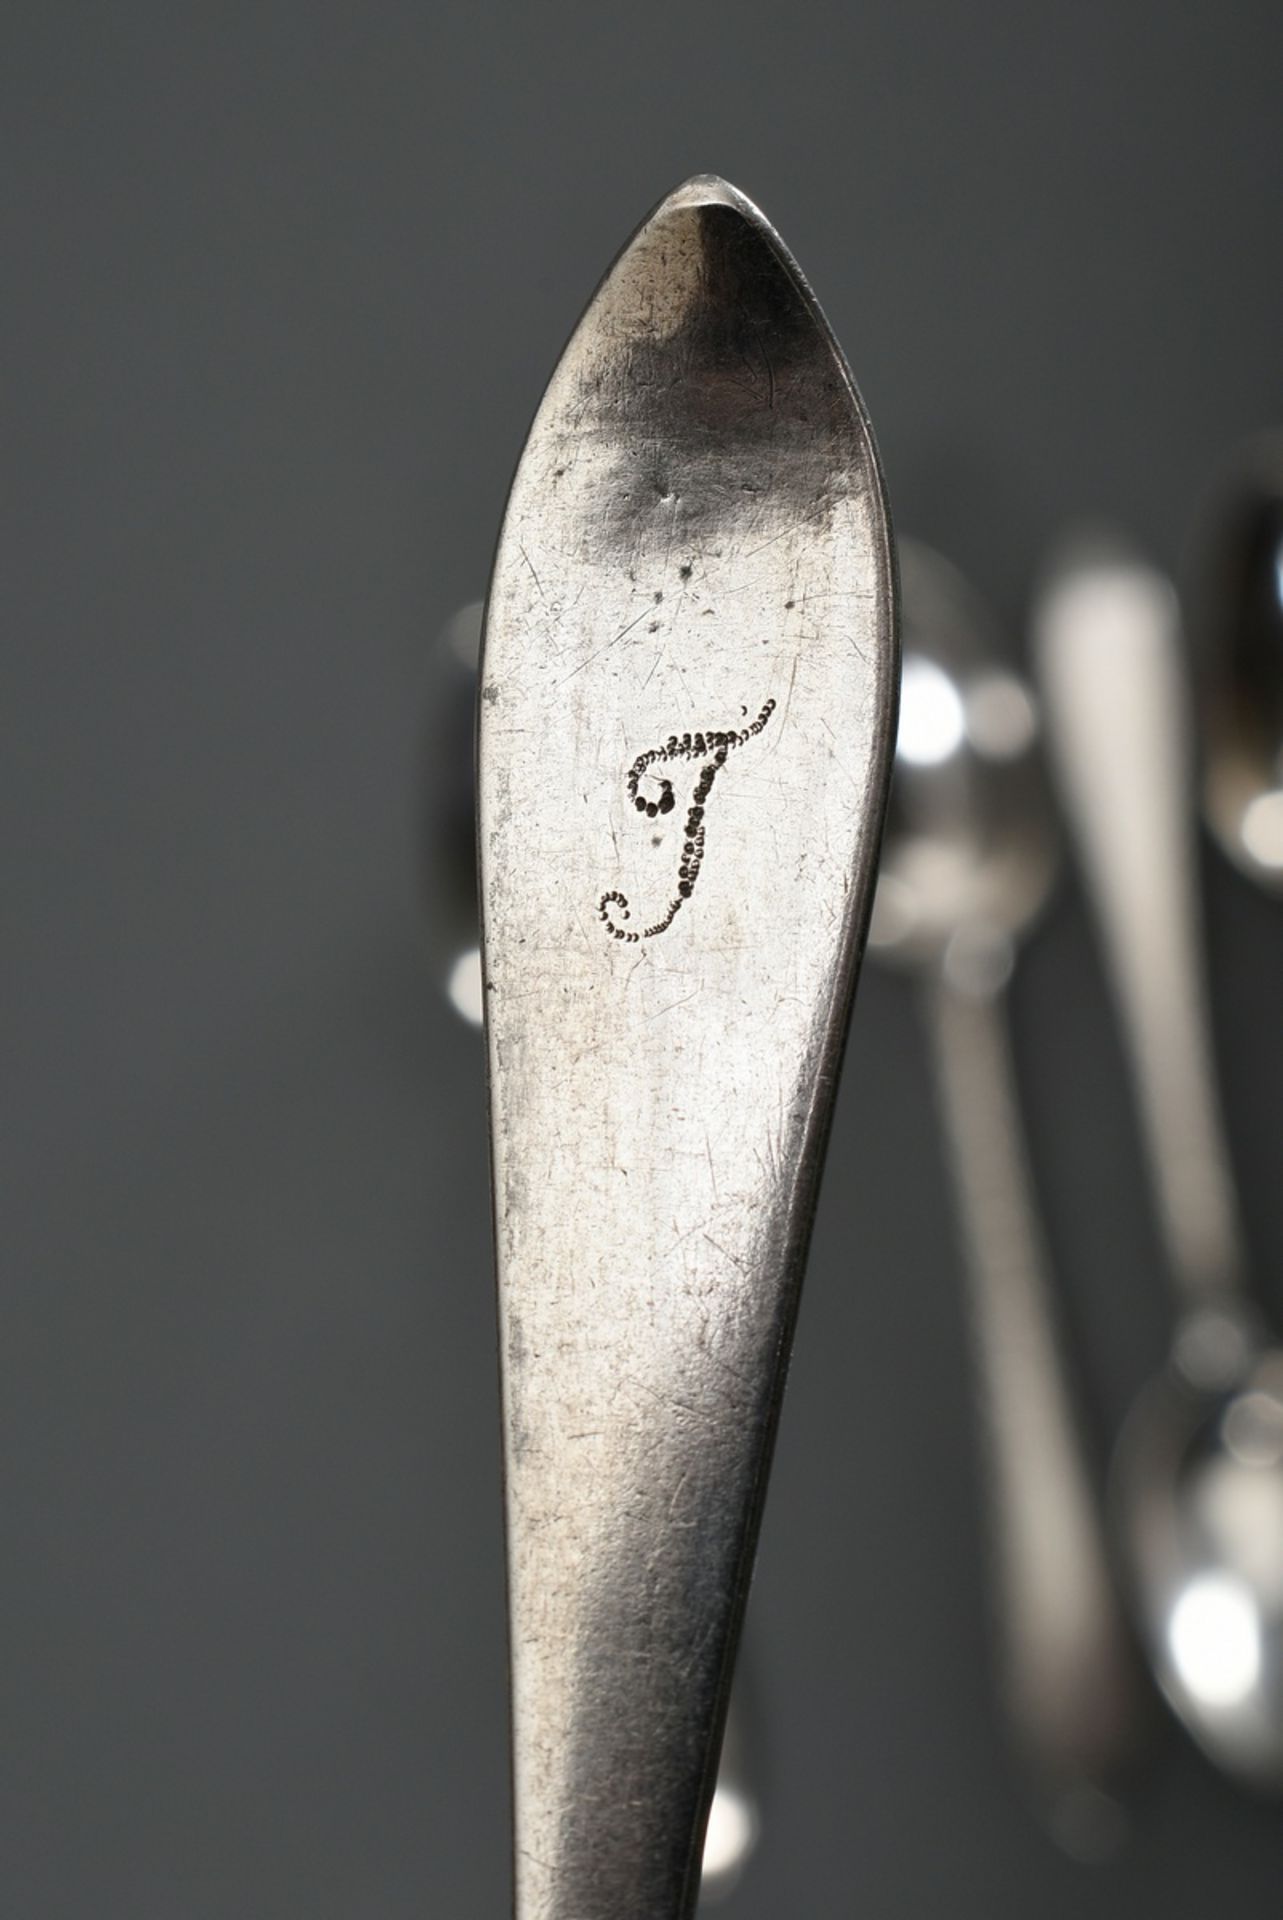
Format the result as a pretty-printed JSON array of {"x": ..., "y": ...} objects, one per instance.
[
  {"x": 1107, "y": 637},
  {"x": 1071, "y": 1684}
]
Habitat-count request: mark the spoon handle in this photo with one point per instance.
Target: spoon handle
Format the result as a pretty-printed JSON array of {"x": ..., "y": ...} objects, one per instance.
[
  {"x": 1108, "y": 642},
  {"x": 1069, "y": 1674},
  {"x": 687, "y": 715}
]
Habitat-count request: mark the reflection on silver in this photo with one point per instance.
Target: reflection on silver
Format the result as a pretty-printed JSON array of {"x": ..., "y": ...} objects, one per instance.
[
  {"x": 1236, "y": 617},
  {"x": 932, "y": 718},
  {"x": 1214, "y": 1636},
  {"x": 1261, "y": 830},
  {"x": 1198, "y": 1483},
  {"x": 735, "y": 1819},
  {"x": 968, "y": 861},
  {"x": 696, "y": 538},
  {"x": 447, "y": 810},
  {"x": 728, "y": 1842},
  {"x": 464, "y": 986}
]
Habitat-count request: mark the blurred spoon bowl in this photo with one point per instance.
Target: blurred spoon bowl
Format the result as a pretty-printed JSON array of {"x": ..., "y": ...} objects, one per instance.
[{"x": 969, "y": 857}]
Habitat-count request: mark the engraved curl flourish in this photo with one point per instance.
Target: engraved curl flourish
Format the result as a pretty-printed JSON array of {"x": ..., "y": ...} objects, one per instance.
[{"x": 712, "y": 747}]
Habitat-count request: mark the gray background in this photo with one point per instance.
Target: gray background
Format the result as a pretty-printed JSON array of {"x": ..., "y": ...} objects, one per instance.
[{"x": 282, "y": 286}]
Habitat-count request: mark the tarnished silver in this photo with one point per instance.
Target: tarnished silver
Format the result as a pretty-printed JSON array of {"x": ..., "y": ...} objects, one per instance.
[
  {"x": 687, "y": 714},
  {"x": 1198, "y": 1475},
  {"x": 448, "y": 871},
  {"x": 969, "y": 857}
]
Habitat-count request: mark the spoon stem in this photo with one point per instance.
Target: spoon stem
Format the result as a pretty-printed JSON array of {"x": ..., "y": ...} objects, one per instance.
[
  {"x": 1066, "y": 1658},
  {"x": 1118, "y": 722}
]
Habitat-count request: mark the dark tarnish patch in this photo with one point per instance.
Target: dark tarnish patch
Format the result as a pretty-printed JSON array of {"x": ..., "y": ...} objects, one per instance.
[{"x": 735, "y": 365}]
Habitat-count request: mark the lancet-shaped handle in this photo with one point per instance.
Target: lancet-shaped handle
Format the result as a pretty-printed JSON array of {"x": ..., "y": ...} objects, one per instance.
[{"x": 687, "y": 713}]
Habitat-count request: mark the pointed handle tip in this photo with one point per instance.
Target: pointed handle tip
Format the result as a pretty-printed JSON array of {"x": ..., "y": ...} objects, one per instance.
[{"x": 709, "y": 190}]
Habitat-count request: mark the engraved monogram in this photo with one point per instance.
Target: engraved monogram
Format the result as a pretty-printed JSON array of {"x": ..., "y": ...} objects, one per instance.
[{"x": 657, "y": 798}]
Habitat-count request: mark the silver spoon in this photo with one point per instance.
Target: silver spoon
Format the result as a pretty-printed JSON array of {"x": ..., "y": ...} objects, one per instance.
[
  {"x": 448, "y": 837},
  {"x": 1198, "y": 1473},
  {"x": 687, "y": 717},
  {"x": 968, "y": 859},
  {"x": 1236, "y": 621}
]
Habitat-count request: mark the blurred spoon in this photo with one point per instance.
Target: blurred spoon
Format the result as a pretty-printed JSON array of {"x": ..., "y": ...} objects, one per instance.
[
  {"x": 1236, "y": 621},
  {"x": 968, "y": 859},
  {"x": 1198, "y": 1474}
]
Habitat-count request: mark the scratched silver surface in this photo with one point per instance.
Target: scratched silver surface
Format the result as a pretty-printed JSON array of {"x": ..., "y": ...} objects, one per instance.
[{"x": 687, "y": 713}]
